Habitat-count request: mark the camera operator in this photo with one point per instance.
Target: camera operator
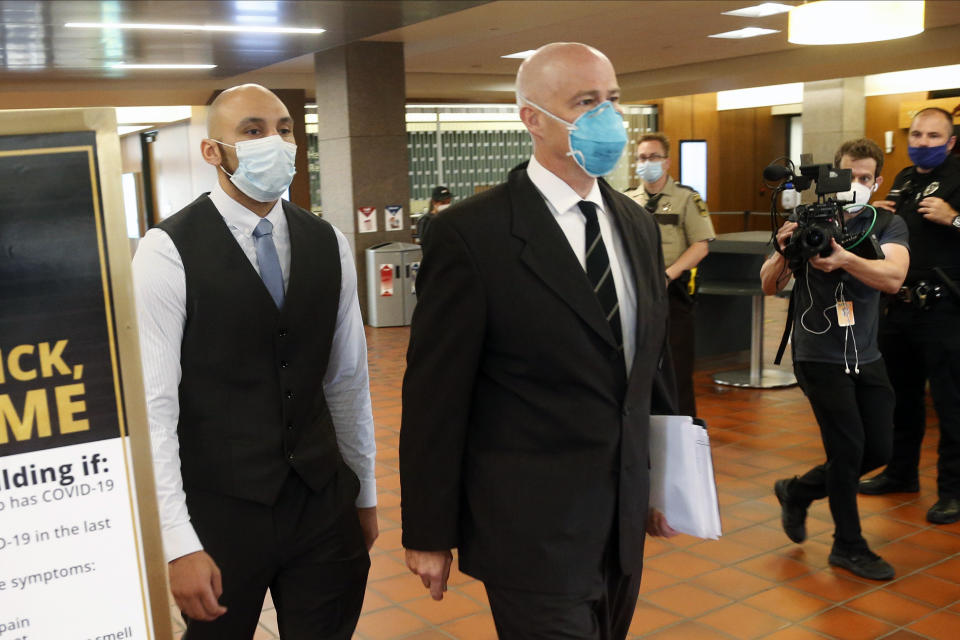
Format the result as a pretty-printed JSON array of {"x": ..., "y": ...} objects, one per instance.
[
  {"x": 920, "y": 334},
  {"x": 838, "y": 364}
]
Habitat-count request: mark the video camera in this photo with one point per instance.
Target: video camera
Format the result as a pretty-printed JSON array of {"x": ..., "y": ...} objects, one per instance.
[{"x": 817, "y": 223}]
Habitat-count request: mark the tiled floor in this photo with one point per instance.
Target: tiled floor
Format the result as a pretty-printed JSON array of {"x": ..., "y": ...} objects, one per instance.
[{"x": 753, "y": 583}]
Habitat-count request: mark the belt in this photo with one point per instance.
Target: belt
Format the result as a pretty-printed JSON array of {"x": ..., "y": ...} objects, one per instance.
[{"x": 924, "y": 294}]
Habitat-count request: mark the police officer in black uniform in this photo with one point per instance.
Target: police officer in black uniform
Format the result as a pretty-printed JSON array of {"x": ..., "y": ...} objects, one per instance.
[{"x": 920, "y": 334}]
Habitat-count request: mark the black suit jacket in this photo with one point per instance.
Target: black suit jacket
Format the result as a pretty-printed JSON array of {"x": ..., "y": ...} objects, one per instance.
[{"x": 522, "y": 443}]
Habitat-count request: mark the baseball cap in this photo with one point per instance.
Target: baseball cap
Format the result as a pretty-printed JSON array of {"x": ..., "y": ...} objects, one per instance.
[{"x": 441, "y": 193}]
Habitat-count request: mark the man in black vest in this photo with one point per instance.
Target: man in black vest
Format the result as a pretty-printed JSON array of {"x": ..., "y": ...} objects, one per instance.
[
  {"x": 920, "y": 335},
  {"x": 255, "y": 370},
  {"x": 538, "y": 348}
]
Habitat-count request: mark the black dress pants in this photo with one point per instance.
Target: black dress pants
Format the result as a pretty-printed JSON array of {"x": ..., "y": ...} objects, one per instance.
[
  {"x": 682, "y": 343},
  {"x": 603, "y": 612},
  {"x": 855, "y": 414},
  {"x": 919, "y": 346},
  {"x": 308, "y": 549}
]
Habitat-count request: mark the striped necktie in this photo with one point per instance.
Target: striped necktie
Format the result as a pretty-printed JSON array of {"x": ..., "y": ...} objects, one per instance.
[{"x": 598, "y": 271}]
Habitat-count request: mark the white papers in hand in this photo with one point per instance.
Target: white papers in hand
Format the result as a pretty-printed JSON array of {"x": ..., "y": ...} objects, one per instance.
[{"x": 682, "y": 484}]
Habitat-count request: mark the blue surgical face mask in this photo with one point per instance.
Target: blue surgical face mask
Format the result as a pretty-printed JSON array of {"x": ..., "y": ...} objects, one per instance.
[
  {"x": 650, "y": 171},
  {"x": 597, "y": 138},
  {"x": 265, "y": 167},
  {"x": 928, "y": 157}
]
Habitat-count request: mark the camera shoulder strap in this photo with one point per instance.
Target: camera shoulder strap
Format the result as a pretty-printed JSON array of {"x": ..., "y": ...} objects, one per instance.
[{"x": 787, "y": 327}]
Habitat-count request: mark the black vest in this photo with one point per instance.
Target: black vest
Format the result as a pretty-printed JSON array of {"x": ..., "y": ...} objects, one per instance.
[{"x": 251, "y": 393}]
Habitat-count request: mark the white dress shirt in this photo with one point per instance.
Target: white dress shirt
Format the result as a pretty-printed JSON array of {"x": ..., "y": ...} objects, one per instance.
[
  {"x": 563, "y": 201},
  {"x": 160, "y": 289}
]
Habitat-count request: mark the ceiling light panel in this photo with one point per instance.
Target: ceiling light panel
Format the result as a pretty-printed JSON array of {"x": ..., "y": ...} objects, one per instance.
[
  {"x": 746, "y": 32},
  {"x": 247, "y": 28},
  {"x": 127, "y": 65},
  {"x": 845, "y": 22},
  {"x": 760, "y": 10},
  {"x": 520, "y": 55}
]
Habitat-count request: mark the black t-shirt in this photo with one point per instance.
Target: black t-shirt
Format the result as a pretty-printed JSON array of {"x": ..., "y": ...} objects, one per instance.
[
  {"x": 817, "y": 338},
  {"x": 931, "y": 244}
]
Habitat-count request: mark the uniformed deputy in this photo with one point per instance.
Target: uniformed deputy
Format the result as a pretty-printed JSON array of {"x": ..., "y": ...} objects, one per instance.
[
  {"x": 920, "y": 335},
  {"x": 685, "y": 231}
]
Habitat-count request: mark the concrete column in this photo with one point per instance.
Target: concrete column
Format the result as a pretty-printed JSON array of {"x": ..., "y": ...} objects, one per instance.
[
  {"x": 362, "y": 142},
  {"x": 833, "y": 112}
]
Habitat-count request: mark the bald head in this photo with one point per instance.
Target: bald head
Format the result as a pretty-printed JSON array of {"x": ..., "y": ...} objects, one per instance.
[
  {"x": 237, "y": 104},
  {"x": 549, "y": 70}
]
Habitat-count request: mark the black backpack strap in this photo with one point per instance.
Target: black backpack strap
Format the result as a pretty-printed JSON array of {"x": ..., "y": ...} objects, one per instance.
[{"x": 788, "y": 326}]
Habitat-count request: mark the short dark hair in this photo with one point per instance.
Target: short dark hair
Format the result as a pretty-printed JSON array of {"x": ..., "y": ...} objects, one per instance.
[
  {"x": 659, "y": 137},
  {"x": 946, "y": 115},
  {"x": 860, "y": 149}
]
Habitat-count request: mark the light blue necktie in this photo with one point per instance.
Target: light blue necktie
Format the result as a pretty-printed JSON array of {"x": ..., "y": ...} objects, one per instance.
[{"x": 268, "y": 260}]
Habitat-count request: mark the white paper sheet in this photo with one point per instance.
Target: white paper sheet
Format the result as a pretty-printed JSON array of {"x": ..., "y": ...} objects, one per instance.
[{"x": 682, "y": 483}]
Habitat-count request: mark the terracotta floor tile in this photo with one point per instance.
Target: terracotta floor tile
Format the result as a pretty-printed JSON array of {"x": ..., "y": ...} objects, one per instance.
[
  {"x": 687, "y": 600},
  {"x": 372, "y": 601},
  {"x": 754, "y": 511},
  {"x": 389, "y": 623},
  {"x": 732, "y": 582},
  {"x": 452, "y": 607},
  {"x": 886, "y": 528},
  {"x": 795, "y": 633},
  {"x": 474, "y": 590},
  {"x": 927, "y": 588},
  {"x": 430, "y": 634},
  {"x": 829, "y": 586},
  {"x": 652, "y": 580},
  {"x": 762, "y": 537},
  {"x": 891, "y": 607},
  {"x": 907, "y": 558},
  {"x": 949, "y": 570},
  {"x": 391, "y": 481},
  {"x": 911, "y": 513},
  {"x": 681, "y": 564},
  {"x": 741, "y": 621},
  {"x": 848, "y": 625},
  {"x": 727, "y": 550},
  {"x": 942, "y": 625},
  {"x": 648, "y": 618},
  {"x": 776, "y": 567},
  {"x": 386, "y": 566},
  {"x": 688, "y": 631},
  {"x": 788, "y": 603},
  {"x": 903, "y": 634},
  {"x": 476, "y": 627},
  {"x": 387, "y": 498},
  {"x": 400, "y": 588}
]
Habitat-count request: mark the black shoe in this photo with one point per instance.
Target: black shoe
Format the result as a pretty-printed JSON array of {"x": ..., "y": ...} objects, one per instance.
[
  {"x": 945, "y": 511},
  {"x": 881, "y": 484},
  {"x": 793, "y": 517},
  {"x": 865, "y": 564}
]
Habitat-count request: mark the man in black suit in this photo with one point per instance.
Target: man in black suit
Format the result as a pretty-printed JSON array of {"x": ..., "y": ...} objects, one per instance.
[{"x": 537, "y": 352}]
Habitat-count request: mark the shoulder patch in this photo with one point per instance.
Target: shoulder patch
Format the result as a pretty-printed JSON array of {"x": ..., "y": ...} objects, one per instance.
[{"x": 701, "y": 205}]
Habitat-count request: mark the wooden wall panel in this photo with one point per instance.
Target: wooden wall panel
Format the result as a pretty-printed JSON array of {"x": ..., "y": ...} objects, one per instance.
[
  {"x": 740, "y": 143},
  {"x": 706, "y": 127}
]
